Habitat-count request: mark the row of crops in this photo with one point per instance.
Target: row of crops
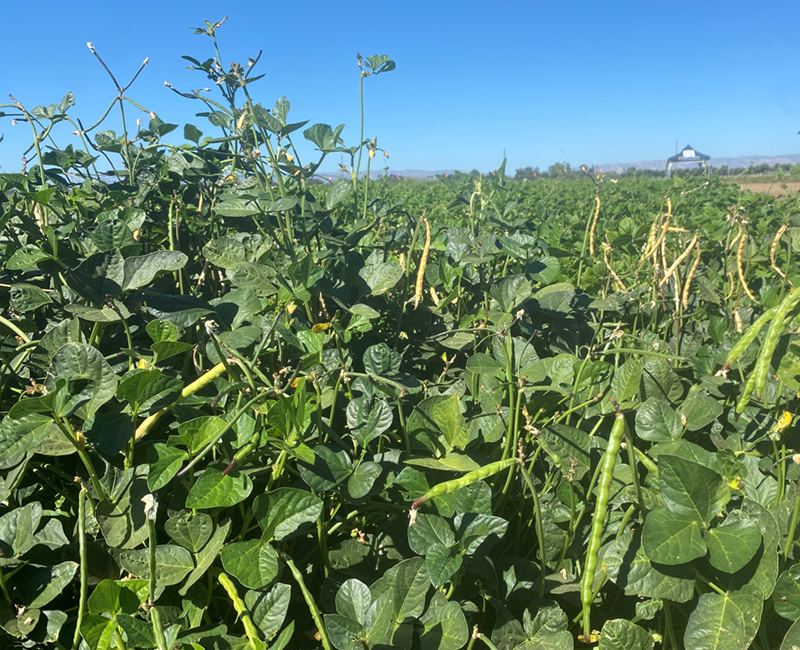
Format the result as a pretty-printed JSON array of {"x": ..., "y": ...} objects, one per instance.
[{"x": 243, "y": 411}]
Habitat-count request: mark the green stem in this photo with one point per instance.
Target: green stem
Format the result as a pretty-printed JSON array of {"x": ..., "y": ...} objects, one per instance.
[
  {"x": 84, "y": 565},
  {"x": 312, "y": 606},
  {"x": 537, "y": 511},
  {"x": 155, "y": 617}
]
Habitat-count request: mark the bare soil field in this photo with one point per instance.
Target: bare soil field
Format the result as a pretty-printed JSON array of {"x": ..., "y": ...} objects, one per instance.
[{"x": 774, "y": 188}]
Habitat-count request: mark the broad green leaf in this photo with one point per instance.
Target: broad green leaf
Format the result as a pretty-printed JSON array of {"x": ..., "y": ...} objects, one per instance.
[
  {"x": 19, "y": 436},
  {"x": 285, "y": 512},
  {"x": 18, "y": 622},
  {"x": 269, "y": 609},
  {"x": 362, "y": 479},
  {"x": 428, "y": 530},
  {"x": 786, "y": 597},
  {"x": 28, "y": 297},
  {"x": 689, "y": 488},
  {"x": 437, "y": 424},
  {"x": 121, "y": 519},
  {"x": 444, "y": 626},
  {"x": 138, "y": 633},
  {"x": 198, "y": 432},
  {"x": 343, "y": 631},
  {"x": 90, "y": 381},
  {"x": 630, "y": 569},
  {"x": 483, "y": 364},
  {"x": 38, "y": 585},
  {"x": 379, "y": 278},
  {"x": 368, "y": 418},
  {"x": 442, "y": 563},
  {"x": 569, "y": 443},
  {"x": 669, "y": 538},
  {"x": 109, "y": 432},
  {"x": 792, "y": 639},
  {"x": 254, "y": 563},
  {"x": 619, "y": 634},
  {"x": 353, "y": 600},
  {"x": 511, "y": 292},
  {"x": 733, "y": 544},
  {"x": 226, "y": 252},
  {"x": 331, "y": 467},
  {"x": 699, "y": 409},
  {"x": 207, "y": 555},
  {"x": 406, "y": 585},
  {"x": 475, "y": 531},
  {"x": 217, "y": 490},
  {"x": 164, "y": 462},
  {"x": 173, "y": 563},
  {"x": 161, "y": 330},
  {"x": 381, "y": 361},
  {"x": 190, "y": 530},
  {"x": 140, "y": 271},
  {"x": 453, "y": 462},
  {"x": 723, "y": 622},
  {"x": 657, "y": 421},
  {"x": 341, "y": 188}
]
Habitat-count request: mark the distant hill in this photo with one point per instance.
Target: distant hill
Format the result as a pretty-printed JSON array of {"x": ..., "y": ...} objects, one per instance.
[{"x": 741, "y": 161}]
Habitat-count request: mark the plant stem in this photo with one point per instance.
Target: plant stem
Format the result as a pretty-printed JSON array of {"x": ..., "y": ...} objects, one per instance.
[{"x": 84, "y": 565}]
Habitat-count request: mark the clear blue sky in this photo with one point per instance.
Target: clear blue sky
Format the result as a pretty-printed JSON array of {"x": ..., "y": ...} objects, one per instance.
[{"x": 589, "y": 82}]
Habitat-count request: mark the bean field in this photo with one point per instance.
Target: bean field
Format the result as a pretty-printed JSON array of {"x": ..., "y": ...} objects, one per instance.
[{"x": 244, "y": 409}]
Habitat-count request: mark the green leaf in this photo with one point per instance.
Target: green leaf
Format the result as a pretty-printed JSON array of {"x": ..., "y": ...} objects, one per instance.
[
  {"x": 217, "y": 490},
  {"x": 405, "y": 585},
  {"x": 138, "y": 633},
  {"x": 90, "y": 381},
  {"x": 630, "y": 569},
  {"x": 206, "y": 557},
  {"x": 482, "y": 364},
  {"x": 343, "y": 631},
  {"x": 381, "y": 361},
  {"x": 190, "y": 530},
  {"x": 367, "y": 418},
  {"x": 444, "y": 627},
  {"x": 28, "y": 297},
  {"x": 140, "y": 271},
  {"x": 111, "y": 234},
  {"x": 699, "y": 409},
  {"x": 20, "y": 436},
  {"x": 442, "y": 563},
  {"x": 341, "y": 188},
  {"x": 669, "y": 538},
  {"x": 161, "y": 330},
  {"x": 569, "y": 442},
  {"x": 379, "y": 278},
  {"x": 657, "y": 421},
  {"x": 362, "y": 479},
  {"x": 619, "y": 634},
  {"x": 689, "y": 488},
  {"x": 792, "y": 638},
  {"x": 18, "y": 622},
  {"x": 226, "y": 252},
  {"x": 438, "y": 425},
  {"x": 191, "y": 132},
  {"x": 254, "y": 563},
  {"x": 723, "y": 622},
  {"x": 733, "y": 544},
  {"x": 286, "y": 512},
  {"x": 353, "y": 600},
  {"x": 428, "y": 530},
  {"x": 173, "y": 563},
  {"x": 38, "y": 585},
  {"x": 269, "y": 609},
  {"x": 109, "y": 432},
  {"x": 164, "y": 463},
  {"x": 331, "y": 467},
  {"x": 786, "y": 597},
  {"x": 511, "y": 292}
]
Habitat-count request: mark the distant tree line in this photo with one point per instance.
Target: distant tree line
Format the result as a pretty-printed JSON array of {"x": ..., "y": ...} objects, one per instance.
[{"x": 565, "y": 170}]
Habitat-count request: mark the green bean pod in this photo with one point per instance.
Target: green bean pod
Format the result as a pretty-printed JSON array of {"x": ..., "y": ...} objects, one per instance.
[
  {"x": 598, "y": 519},
  {"x": 470, "y": 477},
  {"x": 771, "y": 341},
  {"x": 748, "y": 337}
]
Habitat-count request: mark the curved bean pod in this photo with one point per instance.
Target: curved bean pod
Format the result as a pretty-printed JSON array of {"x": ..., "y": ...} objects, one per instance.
[{"x": 470, "y": 477}]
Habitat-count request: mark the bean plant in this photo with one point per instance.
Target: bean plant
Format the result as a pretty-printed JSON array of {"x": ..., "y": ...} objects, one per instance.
[{"x": 246, "y": 407}]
